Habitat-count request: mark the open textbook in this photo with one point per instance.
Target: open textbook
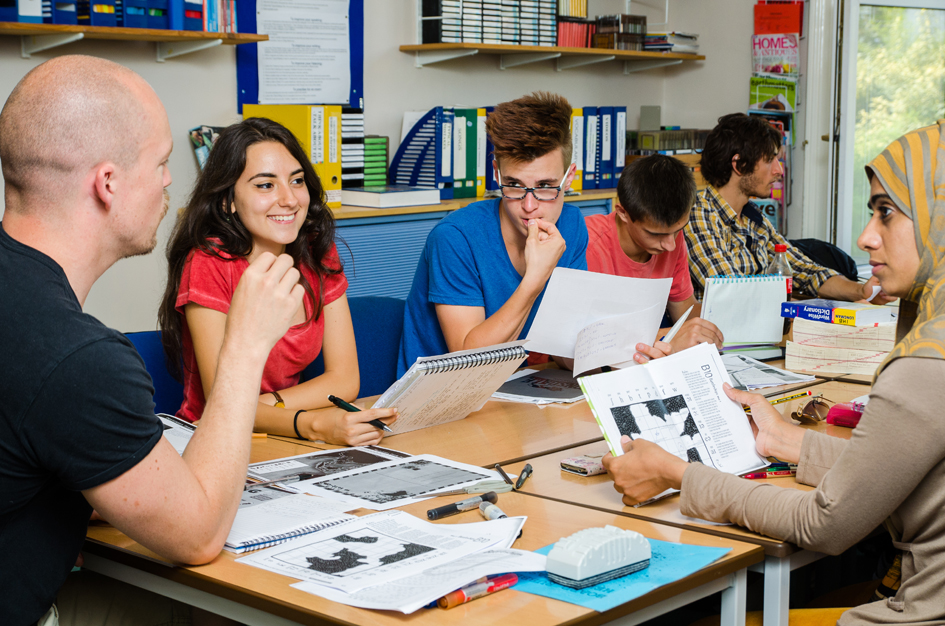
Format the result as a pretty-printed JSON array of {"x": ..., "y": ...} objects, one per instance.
[
  {"x": 597, "y": 319},
  {"x": 678, "y": 403}
]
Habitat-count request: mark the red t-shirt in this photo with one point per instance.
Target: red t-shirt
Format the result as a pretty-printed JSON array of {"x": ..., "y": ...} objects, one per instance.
[
  {"x": 210, "y": 281},
  {"x": 605, "y": 256}
]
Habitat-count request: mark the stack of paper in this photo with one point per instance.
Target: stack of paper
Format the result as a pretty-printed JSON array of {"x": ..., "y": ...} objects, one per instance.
[
  {"x": 748, "y": 373},
  {"x": 394, "y": 561}
]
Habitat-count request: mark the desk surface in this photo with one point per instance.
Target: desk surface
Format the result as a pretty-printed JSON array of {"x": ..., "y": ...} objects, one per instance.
[{"x": 548, "y": 522}]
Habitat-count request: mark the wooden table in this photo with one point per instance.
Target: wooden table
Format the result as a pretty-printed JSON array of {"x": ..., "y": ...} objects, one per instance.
[
  {"x": 256, "y": 596},
  {"x": 597, "y": 492}
]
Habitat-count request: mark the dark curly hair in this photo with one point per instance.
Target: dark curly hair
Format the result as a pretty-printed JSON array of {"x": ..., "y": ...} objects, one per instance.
[
  {"x": 207, "y": 223},
  {"x": 752, "y": 138}
]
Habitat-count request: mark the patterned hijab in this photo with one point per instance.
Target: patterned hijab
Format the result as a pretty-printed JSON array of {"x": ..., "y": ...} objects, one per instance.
[{"x": 912, "y": 170}]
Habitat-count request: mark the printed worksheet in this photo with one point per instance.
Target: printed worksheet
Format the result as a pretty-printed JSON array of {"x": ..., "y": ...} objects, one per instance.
[
  {"x": 396, "y": 483},
  {"x": 415, "y": 592},
  {"x": 322, "y": 463},
  {"x": 678, "y": 403},
  {"x": 177, "y": 431},
  {"x": 380, "y": 548}
]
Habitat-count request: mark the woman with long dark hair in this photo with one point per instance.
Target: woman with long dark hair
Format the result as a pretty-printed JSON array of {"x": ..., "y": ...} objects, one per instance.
[{"x": 259, "y": 193}]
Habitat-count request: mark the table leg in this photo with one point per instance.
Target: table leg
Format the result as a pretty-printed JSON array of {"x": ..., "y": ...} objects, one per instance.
[
  {"x": 777, "y": 590},
  {"x": 733, "y": 600}
]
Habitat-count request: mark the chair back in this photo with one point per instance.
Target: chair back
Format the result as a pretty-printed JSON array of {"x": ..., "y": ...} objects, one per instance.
[
  {"x": 378, "y": 325},
  {"x": 168, "y": 393}
]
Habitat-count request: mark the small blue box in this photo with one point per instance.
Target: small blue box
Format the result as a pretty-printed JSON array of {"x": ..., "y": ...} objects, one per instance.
[
  {"x": 59, "y": 12},
  {"x": 135, "y": 13},
  {"x": 158, "y": 16},
  {"x": 193, "y": 21},
  {"x": 97, "y": 13},
  {"x": 11, "y": 12}
]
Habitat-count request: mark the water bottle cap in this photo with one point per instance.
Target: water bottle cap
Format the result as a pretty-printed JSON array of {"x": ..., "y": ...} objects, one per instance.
[{"x": 780, "y": 247}]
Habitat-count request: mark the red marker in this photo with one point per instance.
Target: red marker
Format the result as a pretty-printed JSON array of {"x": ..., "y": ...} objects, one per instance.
[
  {"x": 477, "y": 590},
  {"x": 761, "y": 475}
]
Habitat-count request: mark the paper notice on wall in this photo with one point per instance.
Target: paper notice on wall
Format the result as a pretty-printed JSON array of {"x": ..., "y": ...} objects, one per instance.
[{"x": 307, "y": 59}]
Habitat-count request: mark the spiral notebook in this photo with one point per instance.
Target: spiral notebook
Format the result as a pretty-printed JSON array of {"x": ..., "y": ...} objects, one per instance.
[
  {"x": 747, "y": 309},
  {"x": 445, "y": 388},
  {"x": 267, "y": 517}
]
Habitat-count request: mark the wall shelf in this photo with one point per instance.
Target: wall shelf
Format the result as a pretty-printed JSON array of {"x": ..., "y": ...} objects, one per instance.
[
  {"x": 565, "y": 58},
  {"x": 169, "y": 43}
]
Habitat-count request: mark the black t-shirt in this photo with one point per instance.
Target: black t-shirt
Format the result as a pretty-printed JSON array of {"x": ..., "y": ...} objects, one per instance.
[{"x": 76, "y": 411}]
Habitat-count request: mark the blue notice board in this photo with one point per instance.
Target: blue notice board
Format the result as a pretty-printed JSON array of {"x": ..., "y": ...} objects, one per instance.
[{"x": 247, "y": 68}]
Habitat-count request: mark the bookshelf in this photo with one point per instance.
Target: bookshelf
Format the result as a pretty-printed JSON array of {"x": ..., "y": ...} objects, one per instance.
[
  {"x": 169, "y": 43},
  {"x": 565, "y": 58}
]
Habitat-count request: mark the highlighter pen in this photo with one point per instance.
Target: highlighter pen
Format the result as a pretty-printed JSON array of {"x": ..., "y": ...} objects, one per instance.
[
  {"x": 491, "y": 511},
  {"x": 350, "y": 408},
  {"x": 785, "y": 399},
  {"x": 463, "y": 505},
  {"x": 526, "y": 472},
  {"x": 763, "y": 475},
  {"x": 477, "y": 590}
]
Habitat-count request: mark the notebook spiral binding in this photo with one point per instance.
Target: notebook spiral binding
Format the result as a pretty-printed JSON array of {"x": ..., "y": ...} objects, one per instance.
[
  {"x": 266, "y": 541},
  {"x": 450, "y": 364},
  {"x": 722, "y": 280}
]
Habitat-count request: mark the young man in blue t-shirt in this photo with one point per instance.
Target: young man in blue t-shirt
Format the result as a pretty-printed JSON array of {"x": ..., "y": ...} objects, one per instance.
[{"x": 484, "y": 267}]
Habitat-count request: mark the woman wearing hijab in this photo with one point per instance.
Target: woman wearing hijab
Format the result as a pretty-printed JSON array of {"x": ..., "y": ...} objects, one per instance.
[{"x": 892, "y": 469}]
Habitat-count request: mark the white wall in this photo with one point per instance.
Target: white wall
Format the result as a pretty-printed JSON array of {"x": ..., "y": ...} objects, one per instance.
[{"x": 201, "y": 89}]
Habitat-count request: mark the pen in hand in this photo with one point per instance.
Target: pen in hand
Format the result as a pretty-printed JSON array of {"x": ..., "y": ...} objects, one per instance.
[{"x": 350, "y": 408}]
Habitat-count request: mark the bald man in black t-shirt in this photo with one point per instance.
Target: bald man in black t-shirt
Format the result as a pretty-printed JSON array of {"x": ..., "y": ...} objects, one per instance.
[{"x": 84, "y": 145}]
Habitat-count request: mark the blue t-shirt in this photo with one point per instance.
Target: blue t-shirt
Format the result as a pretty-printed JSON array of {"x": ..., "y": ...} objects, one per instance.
[{"x": 465, "y": 263}]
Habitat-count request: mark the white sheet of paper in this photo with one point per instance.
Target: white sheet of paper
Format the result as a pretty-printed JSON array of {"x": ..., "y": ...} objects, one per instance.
[
  {"x": 380, "y": 548},
  {"x": 322, "y": 463},
  {"x": 177, "y": 431},
  {"x": 396, "y": 483},
  {"x": 415, "y": 592},
  {"x": 265, "y": 514},
  {"x": 612, "y": 339},
  {"x": 308, "y": 56},
  {"x": 574, "y": 299},
  {"x": 678, "y": 403},
  {"x": 748, "y": 373}
]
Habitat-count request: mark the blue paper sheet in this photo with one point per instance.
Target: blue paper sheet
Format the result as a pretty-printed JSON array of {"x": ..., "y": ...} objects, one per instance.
[{"x": 669, "y": 562}]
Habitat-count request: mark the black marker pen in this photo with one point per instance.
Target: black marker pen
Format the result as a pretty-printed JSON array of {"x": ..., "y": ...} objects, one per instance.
[{"x": 463, "y": 505}]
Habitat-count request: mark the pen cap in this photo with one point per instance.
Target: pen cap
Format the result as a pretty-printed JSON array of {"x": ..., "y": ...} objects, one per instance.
[{"x": 490, "y": 496}]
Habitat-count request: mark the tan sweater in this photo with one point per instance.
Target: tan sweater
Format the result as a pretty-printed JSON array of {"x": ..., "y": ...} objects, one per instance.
[{"x": 893, "y": 467}]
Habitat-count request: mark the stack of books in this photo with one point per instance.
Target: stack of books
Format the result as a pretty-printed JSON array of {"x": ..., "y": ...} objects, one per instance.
[
  {"x": 517, "y": 22},
  {"x": 687, "y": 43},
  {"x": 620, "y": 32},
  {"x": 572, "y": 8},
  {"x": 376, "y": 150},
  {"x": 839, "y": 337},
  {"x": 576, "y": 32},
  {"x": 352, "y": 147}
]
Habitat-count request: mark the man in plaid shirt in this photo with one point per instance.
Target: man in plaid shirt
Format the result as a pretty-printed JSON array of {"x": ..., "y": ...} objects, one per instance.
[{"x": 726, "y": 233}]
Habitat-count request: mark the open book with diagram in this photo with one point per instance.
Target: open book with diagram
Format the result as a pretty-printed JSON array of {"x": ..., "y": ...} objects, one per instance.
[{"x": 678, "y": 403}]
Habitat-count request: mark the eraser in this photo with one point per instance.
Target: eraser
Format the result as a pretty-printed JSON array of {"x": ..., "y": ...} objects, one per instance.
[{"x": 595, "y": 555}]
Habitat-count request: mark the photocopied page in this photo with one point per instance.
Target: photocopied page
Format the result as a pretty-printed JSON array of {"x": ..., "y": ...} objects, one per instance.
[
  {"x": 448, "y": 387},
  {"x": 380, "y": 548},
  {"x": 396, "y": 483},
  {"x": 321, "y": 463},
  {"x": 748, "y": 373},
  {"x": 177, "y": 431},
  {"x": 678, "y": 403},
  {"x": 575, "y": 299},
  {"x": 415, "y": 592},
  {"x": 545, "y": 386}
]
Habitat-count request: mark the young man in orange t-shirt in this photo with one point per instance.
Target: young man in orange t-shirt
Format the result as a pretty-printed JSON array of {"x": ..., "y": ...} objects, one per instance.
[{"x": 643, "y": 238}]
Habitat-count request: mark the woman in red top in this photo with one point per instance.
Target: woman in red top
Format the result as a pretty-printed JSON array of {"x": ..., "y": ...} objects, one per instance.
[{"x": 259, "y": 193}]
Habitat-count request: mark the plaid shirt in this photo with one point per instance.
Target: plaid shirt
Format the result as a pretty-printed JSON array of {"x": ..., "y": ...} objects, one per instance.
[{"x": 721, "y": 244}]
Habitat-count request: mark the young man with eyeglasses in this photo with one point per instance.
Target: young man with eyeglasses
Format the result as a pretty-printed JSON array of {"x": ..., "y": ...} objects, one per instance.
[{"x": 484, "y": 267}]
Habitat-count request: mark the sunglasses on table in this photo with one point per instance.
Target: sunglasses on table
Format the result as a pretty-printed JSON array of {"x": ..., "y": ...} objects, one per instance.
[{"x": 814, "y": 411}]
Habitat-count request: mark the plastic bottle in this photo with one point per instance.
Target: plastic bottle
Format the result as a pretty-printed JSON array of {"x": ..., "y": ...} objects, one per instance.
[{"x": 779, "y": 266}]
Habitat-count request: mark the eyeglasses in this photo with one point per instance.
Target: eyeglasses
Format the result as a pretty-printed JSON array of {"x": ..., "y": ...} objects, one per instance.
[
  {"x": 542, "y": 194},
  {"x": 814, "y": 411}
]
